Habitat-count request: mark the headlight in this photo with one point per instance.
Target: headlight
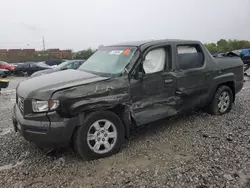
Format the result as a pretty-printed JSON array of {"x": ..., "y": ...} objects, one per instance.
[{"x": 44, "y": 106}]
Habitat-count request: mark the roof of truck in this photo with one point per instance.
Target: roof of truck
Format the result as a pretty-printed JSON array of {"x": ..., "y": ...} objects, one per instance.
[{"x": 147, "y": 43}]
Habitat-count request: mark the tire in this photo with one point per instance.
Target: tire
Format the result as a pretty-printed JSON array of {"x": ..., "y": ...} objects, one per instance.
[
  {"x": 214, "y": 108},
  {"x": 85, "y": 148}
]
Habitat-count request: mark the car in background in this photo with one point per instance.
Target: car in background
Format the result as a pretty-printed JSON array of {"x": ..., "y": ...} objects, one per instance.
[
  {"x": 5, "y": 65},
  {"x": 34, "y": 67},
  {"x": 245, "y": 56},
  {"x": 54, "y": 62},
  {"x": 71, "y": 64},
  {"x": 4, "y": 73},
  {"x": 22, "y": 68},
  {"x": 31, "y": 67}
]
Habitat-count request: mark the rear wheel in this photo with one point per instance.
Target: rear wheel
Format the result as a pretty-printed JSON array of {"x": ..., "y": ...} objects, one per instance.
[
  {"x": 222, "y": 101},
  {"x": 101, "y": 135}
]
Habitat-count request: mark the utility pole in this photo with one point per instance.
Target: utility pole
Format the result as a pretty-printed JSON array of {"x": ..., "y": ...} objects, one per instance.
[{"x": 43, "y": 44}]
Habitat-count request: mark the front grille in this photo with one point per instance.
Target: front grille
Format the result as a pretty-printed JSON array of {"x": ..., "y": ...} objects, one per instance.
[{"x": 20, "y": 103}]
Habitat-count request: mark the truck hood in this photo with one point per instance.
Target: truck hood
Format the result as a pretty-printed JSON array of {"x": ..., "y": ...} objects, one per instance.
[{"x": 42, "y": 87}]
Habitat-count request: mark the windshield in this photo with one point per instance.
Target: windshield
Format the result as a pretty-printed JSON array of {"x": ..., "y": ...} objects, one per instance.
[
  {"x": 108, "y": 60},
  {"x": 61, "y": 65}
]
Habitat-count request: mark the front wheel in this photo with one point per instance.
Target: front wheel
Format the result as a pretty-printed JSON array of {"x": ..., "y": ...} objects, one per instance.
[
  {"x": 101, "y": 135},
  {"x": 222, "y": 101}
]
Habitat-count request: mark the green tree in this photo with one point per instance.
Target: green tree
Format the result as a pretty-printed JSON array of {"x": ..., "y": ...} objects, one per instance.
[
  {"x": 222, "y": 45},
  {"x": 227, "y": 45},
  {"x": 84, "y": 54},
  {"x": 212, "y": 47}
]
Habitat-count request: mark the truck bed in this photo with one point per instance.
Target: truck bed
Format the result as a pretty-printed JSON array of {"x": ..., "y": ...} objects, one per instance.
[{"x": 228, "y": 62}]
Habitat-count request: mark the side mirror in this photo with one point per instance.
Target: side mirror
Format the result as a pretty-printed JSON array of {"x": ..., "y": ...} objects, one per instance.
[
  {"x": 138, "y": 75},
  {"x": 64, "y": 68}
]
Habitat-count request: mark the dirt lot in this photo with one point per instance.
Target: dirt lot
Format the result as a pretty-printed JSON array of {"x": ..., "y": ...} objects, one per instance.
[{"x": 191, "y": 150}]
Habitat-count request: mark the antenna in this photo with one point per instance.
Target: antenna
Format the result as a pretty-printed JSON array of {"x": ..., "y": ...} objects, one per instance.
[{"x": 43, "y": 44}]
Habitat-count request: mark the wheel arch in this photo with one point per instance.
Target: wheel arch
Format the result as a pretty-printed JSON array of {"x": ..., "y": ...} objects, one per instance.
[
  {"x": 227, "y": 79},
  {"x": 121, "y": 110},
  {"x": 230, "y": 84}
]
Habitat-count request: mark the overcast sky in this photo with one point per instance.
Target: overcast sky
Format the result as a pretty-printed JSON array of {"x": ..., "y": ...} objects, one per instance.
[{"x": 78, "y": 24}]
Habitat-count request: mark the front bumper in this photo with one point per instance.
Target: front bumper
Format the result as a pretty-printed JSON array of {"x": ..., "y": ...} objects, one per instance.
[{"x": 45, "y": 133}]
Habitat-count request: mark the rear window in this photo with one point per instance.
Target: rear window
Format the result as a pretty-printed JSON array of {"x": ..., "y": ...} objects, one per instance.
[
  {"x": 190, "y": 57},
  {"x": 186, "y": 49}
]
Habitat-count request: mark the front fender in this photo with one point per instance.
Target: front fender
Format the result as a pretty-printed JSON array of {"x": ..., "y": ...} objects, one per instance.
[{"x": 100, "y": 103}]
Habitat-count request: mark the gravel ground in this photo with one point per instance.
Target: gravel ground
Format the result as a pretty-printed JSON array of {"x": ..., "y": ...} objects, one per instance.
[{"x": 192, "y": 150}]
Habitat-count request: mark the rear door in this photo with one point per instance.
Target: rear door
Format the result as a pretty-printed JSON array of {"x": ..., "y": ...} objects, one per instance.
[
  {"x": 193, "y": 76},
  {"x": 153, "y": 96}
]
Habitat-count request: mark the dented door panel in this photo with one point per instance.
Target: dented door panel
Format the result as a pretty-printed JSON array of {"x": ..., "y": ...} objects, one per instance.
[{"x": 153, "y": 98}]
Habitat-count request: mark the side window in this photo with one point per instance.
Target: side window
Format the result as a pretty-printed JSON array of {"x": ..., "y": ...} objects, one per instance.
[
  {"x": 80, "y": 63},
  {"x": 190, "y": 57},
  {"x": 70, "y": 66},
  {"x": 76, "y": 65},
  {"x": 33, "y": 65},
  {"x": 154, "y": 61}
]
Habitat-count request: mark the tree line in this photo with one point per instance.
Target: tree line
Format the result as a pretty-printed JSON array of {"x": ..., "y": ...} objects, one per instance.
[
  {"x": 219, "y": 47},
  {"x": 83, "y": 54},
  {"x": 227, "y": 45}
]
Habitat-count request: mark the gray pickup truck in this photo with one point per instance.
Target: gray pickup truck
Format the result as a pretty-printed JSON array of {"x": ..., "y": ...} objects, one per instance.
[{"x": 120, "y": 87}]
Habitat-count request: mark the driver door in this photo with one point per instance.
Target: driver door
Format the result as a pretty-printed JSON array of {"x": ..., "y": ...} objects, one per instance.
[{"x": 153, "y": 94}]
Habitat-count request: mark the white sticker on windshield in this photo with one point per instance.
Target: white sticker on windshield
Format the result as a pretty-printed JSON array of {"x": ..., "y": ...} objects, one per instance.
[{"x": 116, "y": 52}]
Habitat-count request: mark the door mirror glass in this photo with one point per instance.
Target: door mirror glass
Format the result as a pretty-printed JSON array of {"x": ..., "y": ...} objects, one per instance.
[
  {"x": 139, "y": 73},
  {"x": 64, "y": 68}
]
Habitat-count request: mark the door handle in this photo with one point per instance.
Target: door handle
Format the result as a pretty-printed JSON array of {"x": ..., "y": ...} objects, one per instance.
[
  {"x": 169, "y": 81},
  {"x": 178, "y": 92}
]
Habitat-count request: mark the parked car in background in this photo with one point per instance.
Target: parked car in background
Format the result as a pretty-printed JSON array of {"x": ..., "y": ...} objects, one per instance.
[
  {"x": 4, "y": 73},
  {"x": 245, "y": 56},
  {"x": 5, "y": 65},
  {"x": 30, "y": 67},
  {"x": 54, "y": 62},
  {"x": 71, "y": 64},
  {"x": 34, "y": 67},
  {"x": 22, "y": 68}
]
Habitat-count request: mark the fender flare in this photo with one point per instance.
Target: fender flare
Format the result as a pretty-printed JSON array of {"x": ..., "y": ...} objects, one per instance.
[{"x": 219, "y": 80}]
